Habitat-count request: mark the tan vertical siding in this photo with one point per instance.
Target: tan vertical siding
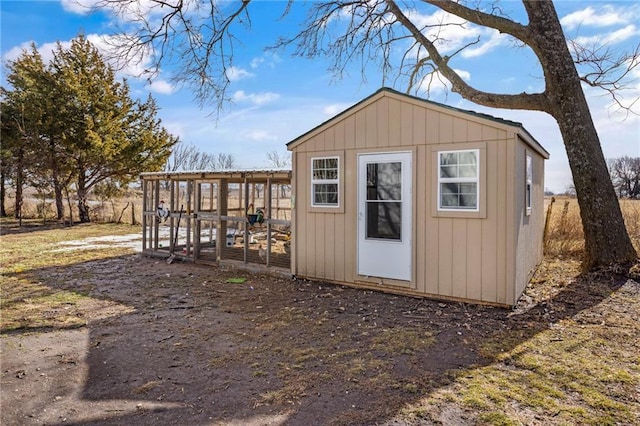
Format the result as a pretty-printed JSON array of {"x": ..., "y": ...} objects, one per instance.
[
  {"x": 360, "y": 130},
  {"x": 339, "y": 242},
  {"x": 462, "y": 256},
  {"x": 330, "y": 139},
  {"x": 489, "y": 242},
  {"x": 445, "y": 128},
  {"x": 371, "y": 130},
  {"x": 351, "y": 216},
  {"x": 460, "y": 130},
  {"x": 474, "y": 131},
  {"x": 405, "y": 135},
  {"x": 294, "y": 213},
  {"x": 339, "y": 135},
  {"x": 474, "y": 259},
  {"x": 349, "y": 132},
  {"x": 445, "y": 256},
  {"x": 318, "y": 241},
  {"x": 460, "y": 242},
  {"x": 510, "y": 206},
  {"x": 528, "y": 240},
  {"x": 432, "y": 127},
  {"x": 502, "y": 213},
  {"x": 420, "y": 209},
  {"x": 302, "y": 201},
  {"x": 386, "y": 110}
]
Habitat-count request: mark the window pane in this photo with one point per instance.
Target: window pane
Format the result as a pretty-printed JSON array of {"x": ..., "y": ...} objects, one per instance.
[
  {"x": 448, "y": 171},
  {"x": 449, "y": 200},
  {"x": 325, "y": 194},
  {"x": 467, "y": 171},
  {"x": 331, "y": 174},
  {"x": 325, "y": 168},
  {"x": 384, "y": 220},
  {"x": 459, "y": 179},
  {"x": 468, "y": 201},
  {"x": 467, "y": 157},
  {"x": 384, "y": 181},
  {"x": 458, "y": 195},
  {"x": 448, "y": 158},
  {"x": 468, "y": 188},
  {"x": 449, "y": 188}
]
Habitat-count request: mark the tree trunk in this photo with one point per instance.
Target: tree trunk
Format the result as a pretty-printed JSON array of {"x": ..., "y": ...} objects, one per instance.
[
  {"x": 66, "y": 190},
  {"x": 17, "y": 214},
  {"x": 57, "y": 187},
  {"x": 59, "y": 200},
  {"x": 3, "y": 193},
  {"x": 83, "y": 207},
  {"x": 606, "y": 238}
]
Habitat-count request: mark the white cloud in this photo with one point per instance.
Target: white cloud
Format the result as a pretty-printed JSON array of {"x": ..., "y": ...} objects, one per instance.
[
  {"x": 495, "y": 40},
  {"x": 269, "y": 59},
  {"x": 609, "y": 38},
  {"x": 447, "y": 31},
  {"x": 334, "y": 109},
  {"x": 161, "y": 86},
  {"x": 131, "y": 12},
  {"x": 437, "y": 83},
  {"x": 255, "y": 98},
  {"x": 450, "y": 33},
  {"x": 604, "y": 17},
  {"x": 79, "y": 7},
  {"x": 235, "y": 73},
  {"x": 255, "y": 62},
  {"x": 15, "y": 52},
  {"x": 260, "y": 135}
]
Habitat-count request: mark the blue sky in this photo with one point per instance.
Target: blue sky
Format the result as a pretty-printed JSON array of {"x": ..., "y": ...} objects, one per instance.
[{"x": 277, "y": 97}]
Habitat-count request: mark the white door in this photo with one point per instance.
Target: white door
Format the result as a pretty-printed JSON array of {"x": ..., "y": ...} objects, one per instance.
[{"x": 384, "y": 215}]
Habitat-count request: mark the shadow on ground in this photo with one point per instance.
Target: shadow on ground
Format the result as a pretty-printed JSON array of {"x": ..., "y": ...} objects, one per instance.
[{"x": 178, "y": 344}]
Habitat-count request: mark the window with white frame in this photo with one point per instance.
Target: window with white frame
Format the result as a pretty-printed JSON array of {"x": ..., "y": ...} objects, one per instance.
[
  {"x": 325, "y": 179},
  {"x": 529, "y": 183},
  {"x": 459, "y": 180}
]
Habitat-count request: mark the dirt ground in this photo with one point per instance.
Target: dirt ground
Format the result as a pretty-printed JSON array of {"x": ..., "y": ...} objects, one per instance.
[{"x": 191, "y": 344}]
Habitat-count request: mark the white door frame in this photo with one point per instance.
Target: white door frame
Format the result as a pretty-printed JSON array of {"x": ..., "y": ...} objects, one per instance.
[{"x": 386, "y": 253}]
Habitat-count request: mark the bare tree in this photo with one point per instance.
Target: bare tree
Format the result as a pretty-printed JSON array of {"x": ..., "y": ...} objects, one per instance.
[
  {"x": 186, "y": 157},
  {"x": 199, "y": 38},
  {"x": 181, "y": 154},
  {"x": 223, "y": 162},
  {"x": 278, "y": 160},
  {"x": 625, "y": 175}
]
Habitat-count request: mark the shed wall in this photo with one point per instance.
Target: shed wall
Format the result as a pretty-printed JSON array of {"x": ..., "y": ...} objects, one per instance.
[
  {"x": 456, "y": 255},
  {"x": 529, "y": 228}
]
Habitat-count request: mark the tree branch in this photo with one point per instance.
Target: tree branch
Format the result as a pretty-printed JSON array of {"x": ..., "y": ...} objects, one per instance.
[
  {"x": 524, "y": 101},
  {"x": 503, "y": 25}
]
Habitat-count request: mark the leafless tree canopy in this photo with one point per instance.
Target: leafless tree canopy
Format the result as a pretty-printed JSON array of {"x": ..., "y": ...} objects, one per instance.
[
  {"x": 197, "y": 39},
  {"x": 278, "y": 160},
  {"x": 625, "y": 175},
  {"x": 188, "y": 157}
]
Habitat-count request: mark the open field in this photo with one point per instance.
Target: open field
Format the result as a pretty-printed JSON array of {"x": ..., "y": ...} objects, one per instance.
[{"x": 95, "y": 334}]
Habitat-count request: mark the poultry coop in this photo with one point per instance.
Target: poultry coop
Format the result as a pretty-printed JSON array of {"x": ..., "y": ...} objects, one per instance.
[{"x": 235, "y": 216}]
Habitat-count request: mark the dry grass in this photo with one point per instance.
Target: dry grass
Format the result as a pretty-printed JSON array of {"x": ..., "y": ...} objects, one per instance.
[
  {"x": 581, "y": 369},
  {"x": 565, "y": 238},
  {"x": 25, "y": 253}
]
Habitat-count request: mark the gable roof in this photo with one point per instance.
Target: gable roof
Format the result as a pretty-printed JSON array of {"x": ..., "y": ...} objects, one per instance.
[{"x": 386, "y": 91}]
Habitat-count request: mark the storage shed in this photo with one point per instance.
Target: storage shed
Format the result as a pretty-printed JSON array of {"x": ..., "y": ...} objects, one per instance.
[{"x": 411, "y": 196}]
